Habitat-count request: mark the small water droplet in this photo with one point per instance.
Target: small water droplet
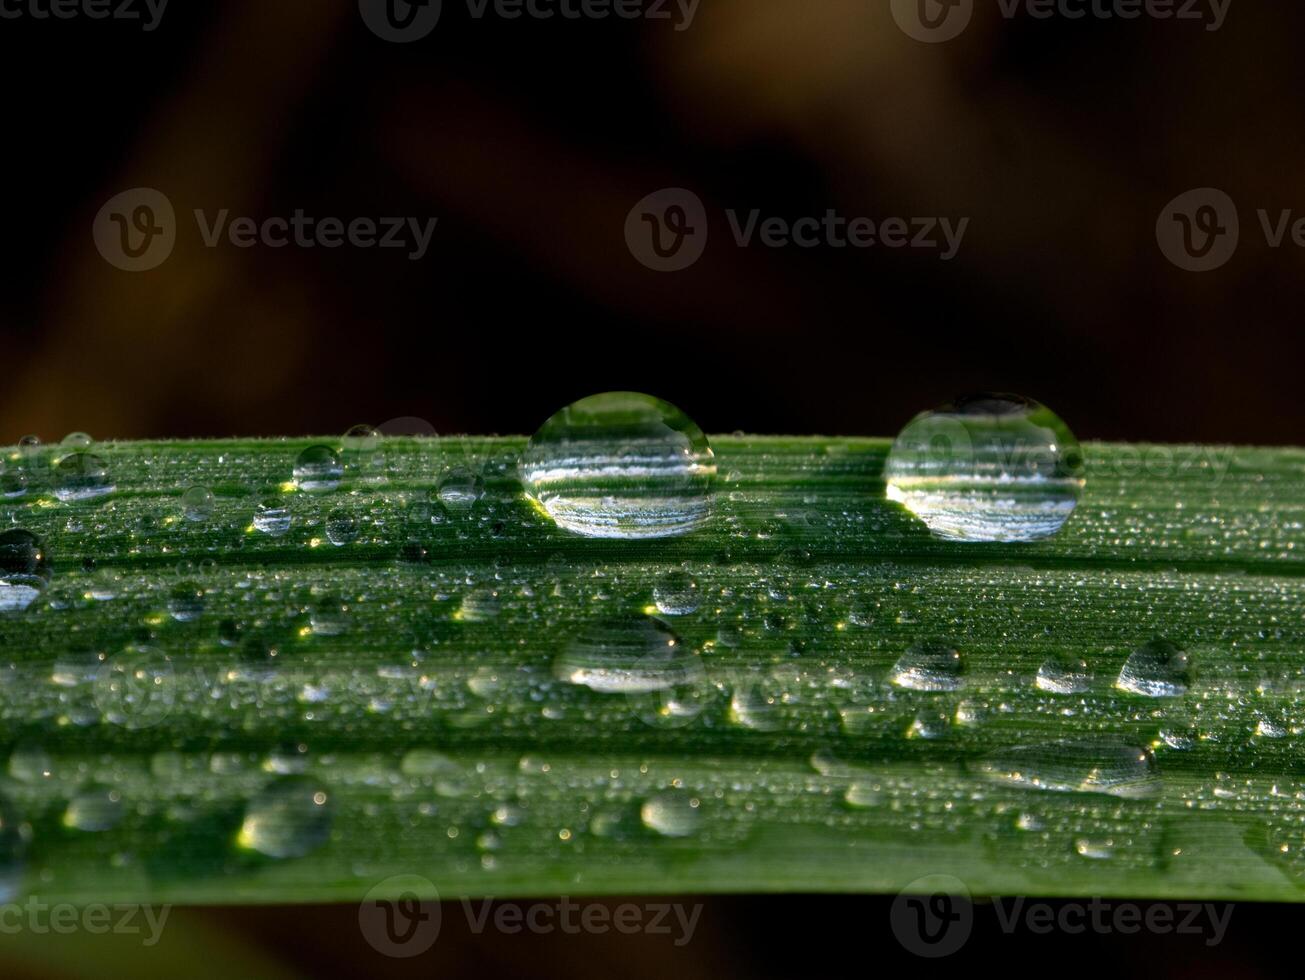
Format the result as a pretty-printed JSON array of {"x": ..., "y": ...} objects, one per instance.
[
  {"x": 480, "y": 606},
  {"x": 1158, "y": 669},
  {"x": 329, "y": 616},
  {"x": 341, "y": 528},
  {"x": 289, "y": 818},
  {"x": 362, "y": 455},
  {"x": 1103, "y": 766},
  {"x": 25, "y": 569},
  {"x": 1062, "y": 675},
  {"x": 676, "y": 594},
  {"x": 620, "y": 465},
  {"x": 197, "y": 504},
  {"x": 94, "y": 809},
  {"x": 637, "y": 655},
  {"x": 929, "y": 667},
  {"x": 987, "y": 468},
  {"x": 318, "y": 470},
  {"x": 80, "y": 477},
  {"x": 186, "y": 602},
  {"x": 272, "y": 516},
  {"x": 671, "y": 814},
  {"x": 460, "y": 489}
]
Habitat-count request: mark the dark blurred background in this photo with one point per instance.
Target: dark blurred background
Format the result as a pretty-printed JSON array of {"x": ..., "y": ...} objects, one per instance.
[{"x": 531, "y": 140}]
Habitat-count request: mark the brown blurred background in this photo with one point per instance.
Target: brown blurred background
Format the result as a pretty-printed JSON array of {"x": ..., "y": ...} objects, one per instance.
[{"x": 531, "y": 140}]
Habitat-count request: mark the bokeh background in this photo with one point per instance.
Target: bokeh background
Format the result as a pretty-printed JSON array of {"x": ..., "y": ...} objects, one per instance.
[{"x": 530, "y": 140}]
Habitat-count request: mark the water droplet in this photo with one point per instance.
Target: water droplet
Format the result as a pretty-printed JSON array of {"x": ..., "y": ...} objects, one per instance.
[
  {"x": 291, "y": 817},
  {"x": 752, "y": 707},
  {"x": 460, "y": 489},
  {"x": 676, "y": 594},
  {"x": 362, "y": 454},
  {"x": 929, "y": 667},
  {"x": 1061, "y": 675},
  {"x": 30, "y": 764},
  {"x": 620, "y": 465},
  {"x": 671, "y": 814},
  {"x": 1158, "y": 669},
  {"x": 863, "y": 795},
  {"x": 25, "y": 569},
  {"x": 637, "y": 655},
  {"x": 480, "y": 606},
  {"x": 197, "y": 504},
  {"x": 341, "y": 528},
  {"x": 318, "y": 470},
  {"x": 987, "y": 468},
  {"x": 13, "y": 482},
  {"x": 95, "y": 808},
  {"x": 330, "y": 616},
  {"x": 1097, "y": 849},
  {"x": 81, "y": 477},
  {"x": 1109, "y": 767},
  {"x": 77, "y": 440},
  {"x": 186, "y": 602},
  {"x": 272, "y": 516}
]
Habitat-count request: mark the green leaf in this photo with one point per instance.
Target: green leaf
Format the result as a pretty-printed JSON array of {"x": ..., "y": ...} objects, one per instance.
[{"x": 811, "y": 693}]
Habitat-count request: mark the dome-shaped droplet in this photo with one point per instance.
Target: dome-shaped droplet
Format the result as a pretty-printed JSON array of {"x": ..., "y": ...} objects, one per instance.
[
  {"x": 80, "y": 477},
  {"x": 929, "y": 667},
  {"x": 676, "y": 594},
  {"x": 362, "y": 455},
  {"x": 318, "y": 470},
  {"x": 197, "y": 504},
  {"x": 637, "y": 655},
  {"x": 341, "y": 528},
  {"x": 672, "y": 814},
  {"x": 620, "y": 465},
  {"x": 987, "y": 468},
  {"x": 24, "y": 569},
  {"x": 1062, "y": 675},
  {"x": 95, "y": 808},
  {"x": 1158, "y": 669},
  {"x": 13, "y": 481},
  {"x": 291, "y": 817},
  {"x": 272, "y": 516},
  {"x": 186, "y": 602},
  {"x": 1103, "y": 766},
  {"x": 460, "y": 488}
]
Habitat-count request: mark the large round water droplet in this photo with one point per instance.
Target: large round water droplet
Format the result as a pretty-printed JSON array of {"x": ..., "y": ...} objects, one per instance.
[
  {"x": 987, "y": 468},
  {"x": 620, "y": 465},
  {"x": 672, "y": 814},
  {"x": 82, "y": 476},
  {"x": 341, "y": 527},
  {"x": 460, "y": 489},
  {"x": 628, "y": 656},
  {"x": 272, "y": 517},
  {"x": 929, "y": 667},
  {"x": 197, "y": 504},
  {"x": 676, "y": 594},
  {"x": 24, "y": 569},
  {"x": 1105, "y": 766},
  {"x": 1062, "y": 675},
  {"x": 1158, "y": 669},
  {"x": 289, "y": 818},
  {"x": 318, "y": 470}
]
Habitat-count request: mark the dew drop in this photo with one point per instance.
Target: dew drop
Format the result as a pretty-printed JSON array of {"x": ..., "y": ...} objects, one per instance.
[
  {"x": 460, "y": 489},
  {"x": 329, "y": 617},
  {"x": 620, "y": 465},
  {"x": 1158, "y": 669},
  {"x": 186, "y": 602},
  {"x": 671, "y": 814},
  {"x": 1062, "y": 675},
  {"x": 987, "y": 468},
  {"x": 362, "y": 454},
  {"x": 480, "y": 606},
  {"x": 676, "y": 594},
  {"x": 95, "y": 809},
  {"x": 318, "y": 470},
  {"x": 272, "y": 516},
  {"x": 289, "y": 818},
  {"x": 1103, "y": 766},
  {"x": 929, "y": 667},
  {"x": 25, "y": 569},
  {"x": 197, "y": 504},
  {"x": 13, "y": 482},
  {"x": 637, "y": 655},
  {"x": 341, "y": 528},
  {"x": 80, "y": 477}
]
